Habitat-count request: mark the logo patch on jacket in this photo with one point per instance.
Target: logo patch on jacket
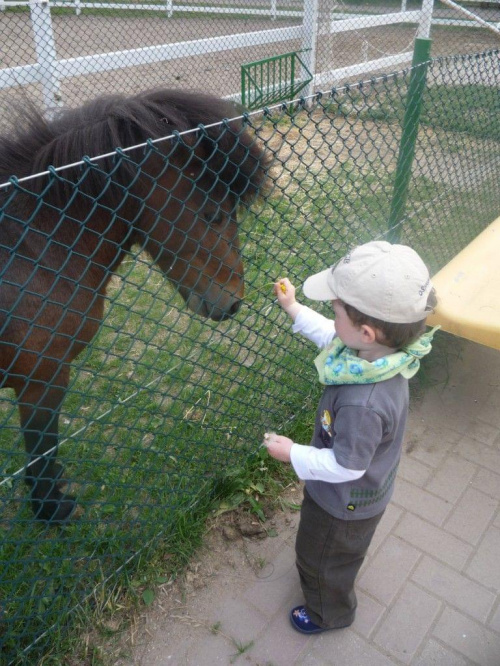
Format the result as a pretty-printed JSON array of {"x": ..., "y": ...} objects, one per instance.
[{"x": 326, "y": 422}]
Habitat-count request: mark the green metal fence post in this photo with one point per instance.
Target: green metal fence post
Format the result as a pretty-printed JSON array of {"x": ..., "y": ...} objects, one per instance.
[{"x": 421, "y": 55}]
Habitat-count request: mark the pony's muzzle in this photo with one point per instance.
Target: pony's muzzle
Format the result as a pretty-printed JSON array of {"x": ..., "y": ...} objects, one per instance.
[
  {"x": 228, "y": 314},
  {"x": 217, "y": 311}
]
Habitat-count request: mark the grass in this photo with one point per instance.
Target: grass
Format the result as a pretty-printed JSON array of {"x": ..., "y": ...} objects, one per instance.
[
  {"x": 165, "y": 414},
  {"x": 443, "y": 105}
]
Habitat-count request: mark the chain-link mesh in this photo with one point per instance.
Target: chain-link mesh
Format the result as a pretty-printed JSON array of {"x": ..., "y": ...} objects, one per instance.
[
  {"x": 163, "y": 400},
  {"x": 69, "y": 51}
]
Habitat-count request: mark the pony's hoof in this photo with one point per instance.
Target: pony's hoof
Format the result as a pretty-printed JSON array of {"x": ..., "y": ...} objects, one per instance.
[
  {"x": 58, "y": 472},
  {"x": 54, "y": 511}
]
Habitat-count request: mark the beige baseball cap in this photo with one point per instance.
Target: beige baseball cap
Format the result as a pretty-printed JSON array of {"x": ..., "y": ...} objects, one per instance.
[{"x": 385, "y": 281}]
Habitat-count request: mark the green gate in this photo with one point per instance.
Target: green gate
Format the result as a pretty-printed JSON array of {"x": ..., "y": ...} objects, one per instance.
[{"x": 273, "y": 80}]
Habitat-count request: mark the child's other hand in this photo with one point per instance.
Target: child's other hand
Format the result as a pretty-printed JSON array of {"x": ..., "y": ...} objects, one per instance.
[
  {"x": 278, "y": 446},
  {"x": 285, "y": 292}
]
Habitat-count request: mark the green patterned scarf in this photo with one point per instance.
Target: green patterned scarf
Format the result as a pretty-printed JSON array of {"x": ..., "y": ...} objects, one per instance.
[{"x": 338, "y": 364}]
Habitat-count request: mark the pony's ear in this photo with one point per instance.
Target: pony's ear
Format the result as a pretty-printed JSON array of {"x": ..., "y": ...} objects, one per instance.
[{"x": 169, "y": 125}]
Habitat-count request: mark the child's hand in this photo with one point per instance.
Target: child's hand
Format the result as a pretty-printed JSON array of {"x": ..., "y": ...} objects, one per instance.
[
  {"x": 285, "y": 292},
  {"x": 278, "y": 446}
]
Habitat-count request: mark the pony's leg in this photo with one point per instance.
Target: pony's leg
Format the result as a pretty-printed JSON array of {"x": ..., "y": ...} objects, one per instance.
[{"x": 39, "y": 409}]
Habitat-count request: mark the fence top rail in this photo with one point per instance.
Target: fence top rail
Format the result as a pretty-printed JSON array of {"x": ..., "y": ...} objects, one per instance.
[{"x": 268, "y": 109}]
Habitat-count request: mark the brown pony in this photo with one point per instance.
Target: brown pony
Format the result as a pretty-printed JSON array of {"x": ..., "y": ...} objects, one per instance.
[{"x": 64, "y": 233}]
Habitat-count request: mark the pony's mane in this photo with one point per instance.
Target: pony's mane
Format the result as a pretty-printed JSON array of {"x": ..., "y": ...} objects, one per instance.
[{"x": 117, "y": 121}]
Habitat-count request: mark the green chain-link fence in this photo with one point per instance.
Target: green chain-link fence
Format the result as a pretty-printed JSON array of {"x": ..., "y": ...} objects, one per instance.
[{"x": 164, "y": 401}]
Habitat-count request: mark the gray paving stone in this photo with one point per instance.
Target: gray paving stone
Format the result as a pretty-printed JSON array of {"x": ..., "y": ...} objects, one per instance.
[
  {"x": 407, "y": 623},
  {"x": 279, "y": 643},
  {"x": 488, "y": 482},
  {"x": 210, "y": 650},
  {"x": 479, "y": 453},
  {"x": 414, "y": 471},
  {"x": 448, "y": 407},
  {"x": 389, "y": 519},
  {"x": 420, "y": 502},
  {"x": 468, "y": 637},
  {"x": 415, "y": 426},
  {"x": 236, "y": 617},
  {"x": 434, "y": 541},
  {"x": 484, "y": 566},
  {"x": 271, "y": 594},
  {"x": 345, "y": 648},
  {"x": 495, "y": 620},
  {"x": 482, "y": 432},
  {"x": 454, "y": 588},
  {"x": 388, "y": 570},
  {"x": 459, "y": 405},
  {"x": 368, "y": 614},
  {"x": 433, "y": 445},
  {"x": 451, "y": 478},
  {"x": 435, "y": 654},
  {"x": 471, "y": 516},
  {"x": 308, "y": 660},
  {"x": 490, "y": 412}
]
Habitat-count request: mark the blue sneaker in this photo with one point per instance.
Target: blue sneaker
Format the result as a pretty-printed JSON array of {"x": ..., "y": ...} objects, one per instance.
[{"x": 302, "y": 622}]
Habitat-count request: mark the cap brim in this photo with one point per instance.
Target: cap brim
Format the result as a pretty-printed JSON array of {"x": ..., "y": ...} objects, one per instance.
[{"x": 317, "y": 287}]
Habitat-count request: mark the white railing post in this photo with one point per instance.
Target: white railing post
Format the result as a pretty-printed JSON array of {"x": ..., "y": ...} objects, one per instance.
[
  {"x": 78, "y": 9},
  {"x": 309, "y": 39},
  {"x": 273, "y": 10},
  {"x": 45, "y": 52},
  {"x": 170, "y": 8},
  {"x": 424, "y": 28},
  {"x": 2, "y": 5}
]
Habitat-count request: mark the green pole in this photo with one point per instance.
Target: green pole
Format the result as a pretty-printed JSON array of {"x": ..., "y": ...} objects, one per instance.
[{"x": 416, "y": 87}]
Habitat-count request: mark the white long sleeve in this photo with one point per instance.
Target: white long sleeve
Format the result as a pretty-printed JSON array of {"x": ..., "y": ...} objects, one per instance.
[
  {"x": 311, "y": 464},
  {"x": 314, "y": 327}
]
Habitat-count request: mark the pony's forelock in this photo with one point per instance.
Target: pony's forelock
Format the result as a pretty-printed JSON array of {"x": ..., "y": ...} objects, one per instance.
[{"x": 109, "y": 122}]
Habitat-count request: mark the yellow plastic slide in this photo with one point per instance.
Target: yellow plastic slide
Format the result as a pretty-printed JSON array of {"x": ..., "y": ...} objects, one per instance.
[{"x": 468, "y": 290}]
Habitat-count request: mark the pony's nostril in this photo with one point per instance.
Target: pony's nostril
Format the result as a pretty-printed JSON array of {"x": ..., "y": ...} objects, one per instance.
[{"x": 234, "y": 308}]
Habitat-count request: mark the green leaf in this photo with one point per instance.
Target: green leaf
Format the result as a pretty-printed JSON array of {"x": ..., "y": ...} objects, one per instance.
[
  {"x": 148, "y": 597},
  {"x": 257, "y": 509}
]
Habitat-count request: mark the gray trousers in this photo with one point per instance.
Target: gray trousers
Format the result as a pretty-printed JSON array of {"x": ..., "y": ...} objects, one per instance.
[{"x": 329, "y": 554}]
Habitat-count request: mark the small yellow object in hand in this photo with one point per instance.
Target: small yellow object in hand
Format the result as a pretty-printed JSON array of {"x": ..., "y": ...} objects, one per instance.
[{"x": 283, "y": 288}]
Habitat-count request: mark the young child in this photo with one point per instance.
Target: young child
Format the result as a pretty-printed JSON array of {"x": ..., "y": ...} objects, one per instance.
[{"x": 381, "y": 295}]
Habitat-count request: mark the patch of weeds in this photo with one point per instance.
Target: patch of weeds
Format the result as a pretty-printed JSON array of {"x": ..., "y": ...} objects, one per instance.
[
  {"x": 259, "y": 482},
  {"x": 215, "y": 628},
  {"x": 241, "y": 647}
]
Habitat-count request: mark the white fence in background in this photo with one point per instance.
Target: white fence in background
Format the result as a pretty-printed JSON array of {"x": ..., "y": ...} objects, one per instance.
[
  {"x": 49, "y": 70},
  {"x": 169, "y": 7}
]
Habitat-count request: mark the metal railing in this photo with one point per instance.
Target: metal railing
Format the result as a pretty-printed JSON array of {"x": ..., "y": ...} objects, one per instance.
[{"x": 51, "y": 55}]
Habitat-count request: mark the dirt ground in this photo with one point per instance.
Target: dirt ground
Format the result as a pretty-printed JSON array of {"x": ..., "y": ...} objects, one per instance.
[
  {"x": 85, "y": 35},
  {"x": 238, "y": 549}
]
